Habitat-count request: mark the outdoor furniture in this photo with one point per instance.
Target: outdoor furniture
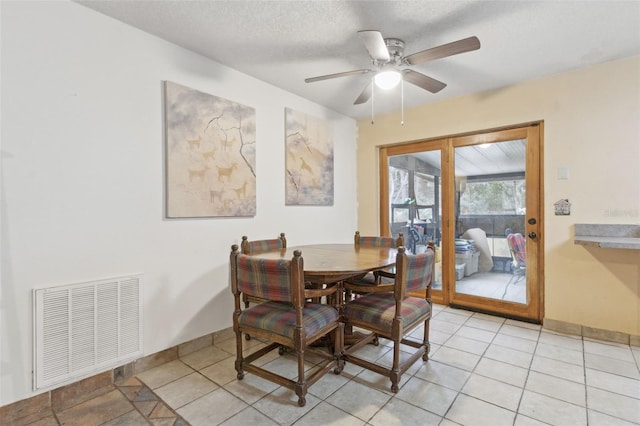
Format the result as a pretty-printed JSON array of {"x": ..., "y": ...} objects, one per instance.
[{"x": 518, "y": 249}]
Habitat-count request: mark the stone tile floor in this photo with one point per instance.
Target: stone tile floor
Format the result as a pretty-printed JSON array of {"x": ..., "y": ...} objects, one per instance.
[{"x": 483, "y": 370}]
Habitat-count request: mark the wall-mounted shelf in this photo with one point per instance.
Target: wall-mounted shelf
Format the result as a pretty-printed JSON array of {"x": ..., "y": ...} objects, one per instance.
[{"x": 608, "y": 236}]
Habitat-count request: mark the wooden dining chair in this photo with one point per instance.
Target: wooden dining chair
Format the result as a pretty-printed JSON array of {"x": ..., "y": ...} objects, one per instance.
[
  {"x": 250, "y": 247},
  {"x": 362, "y": 284},
  {"x": 284, "y": 318},
  {"x": 391, "y": 313}
]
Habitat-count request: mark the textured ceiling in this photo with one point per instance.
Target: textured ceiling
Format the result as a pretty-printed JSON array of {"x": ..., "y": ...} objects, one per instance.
[{"x": 284, "y": 42}]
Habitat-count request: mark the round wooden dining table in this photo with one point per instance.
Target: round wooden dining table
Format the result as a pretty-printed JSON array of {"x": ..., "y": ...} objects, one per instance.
[{"x": 330, "y": 263}]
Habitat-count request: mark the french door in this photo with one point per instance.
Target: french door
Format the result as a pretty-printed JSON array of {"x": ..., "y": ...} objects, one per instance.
[{"x": 478, "y": 198}]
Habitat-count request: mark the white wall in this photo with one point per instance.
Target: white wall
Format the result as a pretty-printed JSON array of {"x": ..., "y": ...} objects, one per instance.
[{"x": 83, "y": 179}]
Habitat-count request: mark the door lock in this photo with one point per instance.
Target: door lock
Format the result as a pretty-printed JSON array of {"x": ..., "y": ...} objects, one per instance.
[
  {"x": 532, "y": 221},
  {"x": 532, "y": 235}
]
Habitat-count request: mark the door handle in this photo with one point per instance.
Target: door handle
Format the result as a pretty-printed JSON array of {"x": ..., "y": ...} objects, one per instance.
[{"x": 532, "y": 235}]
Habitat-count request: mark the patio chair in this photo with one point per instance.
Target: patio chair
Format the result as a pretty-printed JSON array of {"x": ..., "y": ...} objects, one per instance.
[{"x": 518, "y": 249}]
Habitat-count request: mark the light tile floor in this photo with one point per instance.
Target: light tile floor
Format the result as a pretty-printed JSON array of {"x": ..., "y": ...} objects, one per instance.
[{"x": 483, "y": 370}]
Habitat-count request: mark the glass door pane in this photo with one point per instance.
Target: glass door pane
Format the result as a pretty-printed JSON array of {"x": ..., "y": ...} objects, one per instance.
[
  {"x": 478, "y": 189},
  {"x": 415, "y": 203},
  {"x": 490, "y": 208}
]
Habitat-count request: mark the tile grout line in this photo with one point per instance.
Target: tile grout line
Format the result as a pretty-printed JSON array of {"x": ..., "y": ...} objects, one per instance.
[
  {"x": 145, "y": 386},
  {"x": 444, "y": 416},
  {"x": 526, "y": 380},
  {"x": 586, "y": 386}
]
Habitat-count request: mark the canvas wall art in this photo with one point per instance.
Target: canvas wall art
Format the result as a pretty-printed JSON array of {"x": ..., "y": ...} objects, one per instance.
[
  {"x": 210, "y": 155},
  {"x": 309, "y": 160}
]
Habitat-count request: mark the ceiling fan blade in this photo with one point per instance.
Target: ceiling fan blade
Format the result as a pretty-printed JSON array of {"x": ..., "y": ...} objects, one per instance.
[
  {"x": 336, "y": 75},
  {"x": 364, "y": 96},
  {"x": 449, "y": 49},
  {"x": 427, "y": 83},
  {"x": 375, "y": 44}
]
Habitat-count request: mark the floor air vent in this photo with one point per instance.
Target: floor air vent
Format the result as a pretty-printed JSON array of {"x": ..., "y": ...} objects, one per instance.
[{"x": 83, "y": 329}]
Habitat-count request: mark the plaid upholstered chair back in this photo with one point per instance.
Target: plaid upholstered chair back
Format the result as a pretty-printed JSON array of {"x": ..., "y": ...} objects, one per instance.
[
  {"x": 388, "y": 242},
  {"x": 417, "y": 270},
  {"x": 257, "y": 246},
  {"x": 268, "y": 279}
]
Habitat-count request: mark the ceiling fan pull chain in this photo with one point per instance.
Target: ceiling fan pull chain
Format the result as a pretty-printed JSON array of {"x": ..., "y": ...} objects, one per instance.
[
  {"x": 373, "y": 91},
  {"x": 402, "y": 102}
]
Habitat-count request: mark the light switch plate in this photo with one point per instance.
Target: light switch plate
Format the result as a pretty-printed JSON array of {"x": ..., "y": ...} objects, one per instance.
[{"x": 563, "y": 173}]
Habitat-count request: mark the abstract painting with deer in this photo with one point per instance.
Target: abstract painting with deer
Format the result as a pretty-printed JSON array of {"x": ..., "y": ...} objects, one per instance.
[
  {"x": 210, "y": 154},
  {"x": 309, "y": 160}
]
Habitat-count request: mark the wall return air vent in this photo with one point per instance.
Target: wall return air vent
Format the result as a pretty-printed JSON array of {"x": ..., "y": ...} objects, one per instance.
[{"x": 86, "y": 328}]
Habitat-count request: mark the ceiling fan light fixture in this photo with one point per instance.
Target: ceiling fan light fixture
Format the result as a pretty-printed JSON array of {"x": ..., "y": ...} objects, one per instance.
[{"x": 388, "y": 79}]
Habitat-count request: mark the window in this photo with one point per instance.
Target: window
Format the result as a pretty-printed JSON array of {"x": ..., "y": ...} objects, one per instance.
[
  {"x": 422, "y": 192},
  {"x": 425, "y": 195},
  {"x": 493, "y": 197},
  {"x": 398, "y": 192}
]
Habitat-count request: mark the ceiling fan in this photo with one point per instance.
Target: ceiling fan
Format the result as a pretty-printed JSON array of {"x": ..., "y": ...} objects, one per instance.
[{"x": 388, "y": 58}]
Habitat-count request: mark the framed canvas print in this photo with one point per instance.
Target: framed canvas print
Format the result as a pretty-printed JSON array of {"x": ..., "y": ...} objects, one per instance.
[
  {"x": 210, "y": 155},
  {"x": 309, "y": 160}
]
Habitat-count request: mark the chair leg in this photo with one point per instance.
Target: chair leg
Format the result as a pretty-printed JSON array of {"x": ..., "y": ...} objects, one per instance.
[
  {"x": 338, "y": 348},
  {"x": 507, "y": 286},
  {"x": 246, "y": 306},
  {"x": 395, "y": 369},
  {"x": 425, "y": 340},
  {"x": 239, "y": 358},
  {"x": 301, "y": 390},
  {"x": 515, "y": 278},
  {"x": 301, "y": 386}
]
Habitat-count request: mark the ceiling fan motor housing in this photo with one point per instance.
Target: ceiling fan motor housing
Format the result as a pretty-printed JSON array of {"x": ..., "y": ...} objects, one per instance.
[{"x": 396, "y": 49}]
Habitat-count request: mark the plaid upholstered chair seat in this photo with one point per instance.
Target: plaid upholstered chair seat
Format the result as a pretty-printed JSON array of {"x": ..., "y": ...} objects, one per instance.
[
  {"x": 280, "y": 318},
  {"x": 379, "y": 309}
]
